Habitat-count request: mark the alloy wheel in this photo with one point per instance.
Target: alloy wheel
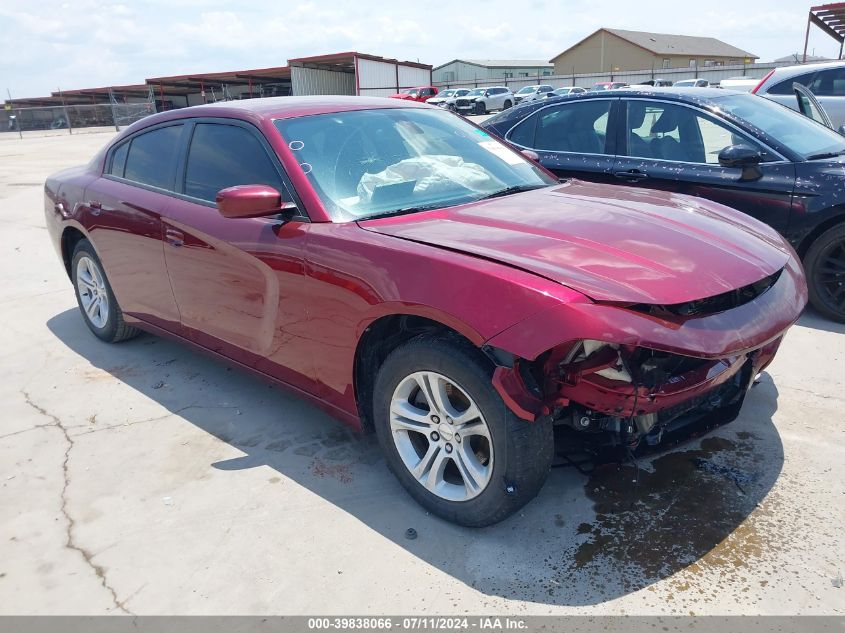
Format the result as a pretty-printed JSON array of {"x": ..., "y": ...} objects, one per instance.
[
  {"x": 830, "y": 276},
  {"x": 92, "y": 292},
  {"x": 441, "y": 436}
]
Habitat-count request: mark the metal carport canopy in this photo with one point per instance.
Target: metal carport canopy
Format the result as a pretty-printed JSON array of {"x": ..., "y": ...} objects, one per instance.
[
  {"x": 356, "y": 73},
  {"x": 830, "y": 18},
  {"x": 184, "y": 85}
]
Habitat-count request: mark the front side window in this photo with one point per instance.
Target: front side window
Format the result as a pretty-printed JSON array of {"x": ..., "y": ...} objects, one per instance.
[
  {"x": 668, "y": 131},
  {"x": 223, "y": 156},
  {"x": 152, "y": 157},
  {"x": 381, "y": 161},
  {"x": 794, "y": 130},
  {"x": 829, "y": 83}
]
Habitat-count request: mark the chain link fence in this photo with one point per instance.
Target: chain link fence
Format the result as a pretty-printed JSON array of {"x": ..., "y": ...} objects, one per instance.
[{"x": 72, "y": 119}]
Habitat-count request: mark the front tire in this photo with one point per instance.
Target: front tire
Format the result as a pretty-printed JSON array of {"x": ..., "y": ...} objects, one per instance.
[
  {"x": 825, "y": 267},
  {"x": 450, "y": 439},
  {"x": 95, "y": 298},
  {"x": 507, "y": 105},
  {"x": 480, "y": 108}
]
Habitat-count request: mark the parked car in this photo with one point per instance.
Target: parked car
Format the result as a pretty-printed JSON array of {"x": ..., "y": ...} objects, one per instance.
[
  {"x": 608, "y": 85},
  {"x": 563, "y": 92},
  {"x": 484, "y": 100},
  {"x": 737, "y": 149},
  {"x": 739, "y": 84},
  {"x": 445, "y": 98},
  {"x": 417, "y": 277},
  {"x": 420, "y": 94},
  {"x": 532, "y": 93},
  {"x": 825, "y": 80},
  {"x": 692, "y": 83}
]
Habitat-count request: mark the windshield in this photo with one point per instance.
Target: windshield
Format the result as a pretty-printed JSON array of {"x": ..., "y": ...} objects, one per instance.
[
  {"x": 685, "y": 83},
  {"x": 476, "y": 92},
  {"x": 446, "y": 93},
  {"x": 797, "y": 132},
  {"x": 600, "y": 87},
  {"x": 526, "y": 90},
  {"x": 462, "y": 93},
  {"x": 406, "y": 91},
  {"x": 371, "y": 162}
]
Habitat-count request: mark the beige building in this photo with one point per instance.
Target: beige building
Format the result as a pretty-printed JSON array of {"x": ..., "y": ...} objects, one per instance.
[{"x": 609, "y": 50}]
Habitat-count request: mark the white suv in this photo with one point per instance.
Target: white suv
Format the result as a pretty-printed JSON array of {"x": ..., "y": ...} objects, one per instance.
[
  {"x": 483, "y": 100},
  {"x": 532, "y": 93},
  {"x": 825, "y": 80}
]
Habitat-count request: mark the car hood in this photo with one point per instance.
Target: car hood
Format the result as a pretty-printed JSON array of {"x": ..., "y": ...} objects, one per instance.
[{"x": 610, "y": 243}]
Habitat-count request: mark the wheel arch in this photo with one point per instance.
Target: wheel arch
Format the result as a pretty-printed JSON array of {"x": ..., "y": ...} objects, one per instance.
[
  {"x": 818, "y": 231},
  {"x": 385, "y": 334},
  {"x": 71, "y": 236}
]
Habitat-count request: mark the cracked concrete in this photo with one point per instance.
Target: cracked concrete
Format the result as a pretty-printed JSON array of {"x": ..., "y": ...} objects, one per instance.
[
  {"x": 144, "y": 477},
  {"x": 70, "y": 543}
]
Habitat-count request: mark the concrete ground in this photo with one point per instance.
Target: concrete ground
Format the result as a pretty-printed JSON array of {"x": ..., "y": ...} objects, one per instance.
[{"x": 145, "y": 478}]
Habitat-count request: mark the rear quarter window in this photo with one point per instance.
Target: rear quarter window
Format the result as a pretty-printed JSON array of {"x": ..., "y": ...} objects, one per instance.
[
  {"x": 785, "y": 87},
  {"x": 152, "y": 157}
]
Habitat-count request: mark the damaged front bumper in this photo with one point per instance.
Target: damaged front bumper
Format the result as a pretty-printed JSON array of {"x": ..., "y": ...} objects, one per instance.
[{"x": 633, "y": 372}]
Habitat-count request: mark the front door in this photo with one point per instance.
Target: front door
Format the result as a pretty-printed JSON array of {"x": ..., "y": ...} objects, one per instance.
[
  {"x": 238, "y": 282},
  {"x": 676, "y": 147}
]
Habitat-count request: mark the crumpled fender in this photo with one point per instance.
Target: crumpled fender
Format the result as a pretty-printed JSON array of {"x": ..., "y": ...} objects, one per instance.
[{"x": 736, "y": 331}]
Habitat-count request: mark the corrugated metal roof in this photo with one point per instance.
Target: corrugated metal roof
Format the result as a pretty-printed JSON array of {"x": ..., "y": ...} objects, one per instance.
[
  {"x": 668, "y": 44},
  {"x": 515, "y": 63}
]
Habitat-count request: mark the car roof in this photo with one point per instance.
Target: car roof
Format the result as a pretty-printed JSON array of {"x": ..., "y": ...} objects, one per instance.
[
  {"x": 803, "y": 68},
  {"x": 277, "y": 108}
]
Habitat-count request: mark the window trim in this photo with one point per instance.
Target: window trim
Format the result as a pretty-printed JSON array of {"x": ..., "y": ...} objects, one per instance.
[
  {"x": 610, "y": 137},
  {"x": 623, "y": 145},
  {"x": 128, "y": 140},
  {"x": 189, "y": 124}
]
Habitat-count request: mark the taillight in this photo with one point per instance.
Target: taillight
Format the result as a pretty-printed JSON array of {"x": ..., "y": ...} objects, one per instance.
[{"x": 762, "y": 81}]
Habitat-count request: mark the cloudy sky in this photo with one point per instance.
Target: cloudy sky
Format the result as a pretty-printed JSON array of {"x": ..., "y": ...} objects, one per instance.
[{"x": 88, "y": 43}]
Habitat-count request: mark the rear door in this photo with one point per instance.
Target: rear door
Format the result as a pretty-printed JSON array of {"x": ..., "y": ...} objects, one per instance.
[
  {"x": 574, "y": 139},
  {"x": 675, "y": 147},
  {"x": 128, "y": 202},
  {"x": 238, "y": 282}
]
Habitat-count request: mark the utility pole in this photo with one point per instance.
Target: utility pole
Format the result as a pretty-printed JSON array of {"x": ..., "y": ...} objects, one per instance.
[
  {"x": 12, "y": 109},
  {"x": 67, "y": 114}
]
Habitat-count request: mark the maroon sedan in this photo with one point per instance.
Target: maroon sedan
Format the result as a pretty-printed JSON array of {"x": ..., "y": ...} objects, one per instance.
[{"x": 412, "y": 275}]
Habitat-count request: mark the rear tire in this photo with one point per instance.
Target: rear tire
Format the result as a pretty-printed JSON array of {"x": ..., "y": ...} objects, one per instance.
[
  {"x": 95, "y": 298},
  {"x": 825, "y": 268},
  {"x": 496, "y": 467}
]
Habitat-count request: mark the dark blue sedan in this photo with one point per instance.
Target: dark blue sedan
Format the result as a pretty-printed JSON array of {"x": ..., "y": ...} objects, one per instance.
[{"x": 738, "y": 149}]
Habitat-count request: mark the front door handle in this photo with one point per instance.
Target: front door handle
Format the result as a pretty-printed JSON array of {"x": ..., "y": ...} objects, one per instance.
[
  {"x": 632, "y": 175},
  {"x": 174, "y": 237}
]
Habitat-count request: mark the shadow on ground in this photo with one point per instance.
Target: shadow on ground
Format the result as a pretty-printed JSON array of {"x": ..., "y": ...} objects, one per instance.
[
  {"x": 812, "y": 319},
  {"x": 583, "y": 541}
]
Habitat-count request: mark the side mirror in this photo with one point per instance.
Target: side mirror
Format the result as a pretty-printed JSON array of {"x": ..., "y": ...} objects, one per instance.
[
  {"x": 739, "y": 156},
  {"x": 530, "y": 155},
  {"x": 841, "y": 130},
  {"x": 251, "y": 201}
]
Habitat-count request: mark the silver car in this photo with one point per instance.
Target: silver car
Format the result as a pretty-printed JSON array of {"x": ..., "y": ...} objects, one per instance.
[
  {"x": 532, "y": 93},
  {"x": 825, "y": 80}
]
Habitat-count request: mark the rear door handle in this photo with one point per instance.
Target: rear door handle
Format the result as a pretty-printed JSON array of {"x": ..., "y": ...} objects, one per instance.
[
  {"x": 174, "y": 237},
  {"x": 632, "y": 175}
]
